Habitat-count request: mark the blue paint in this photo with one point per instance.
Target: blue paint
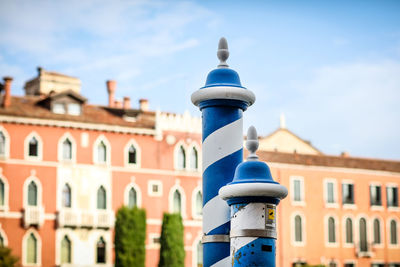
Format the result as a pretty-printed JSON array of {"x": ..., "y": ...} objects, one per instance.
[
  {"x": 215, "y": 117},
  {"x": 253, "y": 199},
  {"x": 215, "y": 252},
  {"x": 219, "y": 174},
  {"x": 237, "y": 207},
  {"x": 260, "y": 252},
  {"x": 253, "y": 172},
  {"x": 223, "y": 77}
]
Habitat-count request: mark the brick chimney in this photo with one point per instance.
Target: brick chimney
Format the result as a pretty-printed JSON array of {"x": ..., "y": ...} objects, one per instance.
[
  {"x": 111, "y": 87},
  {"x": 127, "y": 102},
  {"x": 144, "y": 104},
  {"x": 7, "y": 91}
]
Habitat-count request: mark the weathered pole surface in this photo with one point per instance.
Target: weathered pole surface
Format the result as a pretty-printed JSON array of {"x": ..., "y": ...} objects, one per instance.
[
  {"x": 253, "y": 196},
  {"x": 222, "y": 101}
]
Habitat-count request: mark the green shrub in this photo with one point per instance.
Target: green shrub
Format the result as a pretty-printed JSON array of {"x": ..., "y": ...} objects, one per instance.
[
  {"x": 130, "y": 237},
  {"x": 172, "y": 252},
  {"x": 6, "y": 258}
]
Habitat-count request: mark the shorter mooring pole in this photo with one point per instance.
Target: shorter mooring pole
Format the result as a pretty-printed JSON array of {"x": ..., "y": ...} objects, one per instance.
[{"x": 253, "y": 196}]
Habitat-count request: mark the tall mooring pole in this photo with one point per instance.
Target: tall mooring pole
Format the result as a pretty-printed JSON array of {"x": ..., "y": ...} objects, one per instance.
[{"x": 222, "y": 101}]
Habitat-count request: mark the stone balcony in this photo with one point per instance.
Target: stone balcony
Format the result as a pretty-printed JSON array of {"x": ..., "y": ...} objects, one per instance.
[
  {"x": 33, "y": 215},
  {"x": 68, "y": 217}
]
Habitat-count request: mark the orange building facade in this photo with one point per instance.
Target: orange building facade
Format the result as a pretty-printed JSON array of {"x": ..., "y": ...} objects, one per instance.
[{"x": 67, "y": 166}]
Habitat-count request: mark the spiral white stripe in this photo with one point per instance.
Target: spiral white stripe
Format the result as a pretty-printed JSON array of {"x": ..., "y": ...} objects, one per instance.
[
  {"x": 223, "y": 142},
  {"x": 239, "y": 242},
  {"x": 217, "y": 213},
  {"x": 225, "y": 262}
]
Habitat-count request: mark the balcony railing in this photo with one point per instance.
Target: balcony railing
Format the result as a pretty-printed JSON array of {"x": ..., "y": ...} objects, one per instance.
[
  {"x": 105, "y": 219},
  {"x": 33, "y": 215},
  {"x": 363, "y": 250},
  {"x": 68, "y": 217}
]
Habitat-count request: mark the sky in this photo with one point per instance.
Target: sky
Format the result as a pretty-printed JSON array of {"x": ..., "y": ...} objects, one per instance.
[{"x": 331, "y": 67}]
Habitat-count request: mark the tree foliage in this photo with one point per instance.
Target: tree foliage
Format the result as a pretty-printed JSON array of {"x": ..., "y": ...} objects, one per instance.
[
  {"x": 172, "y": 252},
  {"x": 6, "y": 258},
  {"x": 130, "y": 236}
]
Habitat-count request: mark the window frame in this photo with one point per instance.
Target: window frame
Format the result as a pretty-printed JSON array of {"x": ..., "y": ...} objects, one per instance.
[
  {"x": 128, "y": 187},
  {"x": 344, "y": 223},
  {"x": 348, "y": 205},
  {"x": 150, "y": 184},
  {"x": 39, "y": 147},
  {"x": 375, "y": 206},
  {"x": 336, "y": 227},
  {"x": 6, "y": 154},
  {"x": 294, "y": 242},
  {"x": 389, "y": 234},
  {"x": 60, "y": 153},
  {"x": 132, "y": 142},
  {"x": 97, "y": 142},
  {"x": 5, "y": 206},
  {"x": 189, "y": 157},
  {"x": 335, "y": 203},
  {"x": 197, "y": 190},
  {"x": 391, "y": 186},
  {"x": 381, "y": 232},
  {"x": 178, "y": 188},
  {"x": 300, "y": 202},
  {"x": 177, "y": 149},
  {"x": 25, "y": 248},
  {"x": 28, "y": 180}
]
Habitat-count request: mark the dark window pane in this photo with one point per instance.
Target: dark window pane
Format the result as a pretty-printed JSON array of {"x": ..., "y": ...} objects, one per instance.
[
  {"x": 296, "y": 187},
  {"x": 132, "y": 198},
  {"x": 177, "y": 202},
  {"x": 67, "y": 149},
  {"x": 2, "y": 144},
  {"x": 132, "y": 155},
  {"x": 2, "y": 192},
  {"x": 101, "y": 251},
  {"x": 66, "y": 196},
  {"x": 331, "y": 229},
  {"x": 377, "y": 232},
  {"x": 349, "y": 230},
  {"x": 33, "y": 147},
  {"x": 363, "y": 235},
  {"x": 298, "y": 228},
  {"x": 393, "y": 232}
]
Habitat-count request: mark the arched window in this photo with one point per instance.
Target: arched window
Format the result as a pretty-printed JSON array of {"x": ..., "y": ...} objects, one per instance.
[
  {"x": 2, "y": 144},
  {"x": 181, "y": 158},
  {"x": 199, "y": 204},
  {"x": 393, "y": 232},
  {"x": 363, "y": 235},
  {"x": 377, "y": 232},
  {"x": 132, "y": 198},
  {"x": 349, "y": 231},
  {"x": 33, "y": 149},
  {"x": 298, "y": 228},
  {"x": 101, "y": 251},
  {"x": 1, "y": 240},
  {"x": 331, "y": 230},
  {"x": 177, "y": 202},
  {"x": 101, "y": 198},
  {"x": 31, "y": 249},
  {"x": 2, "y": 193},
  {"x": 101, "y": 152},
  {"x": 193, "y": 159},
  {"x": 132, "y": 155},
  {"x": 199, "y": 254},
  {"x": 66, "y": 196},
  {"x": 67, "y": 149},
  {"x": 32, "y": 194},
  {"x": 65, "y": 250}
]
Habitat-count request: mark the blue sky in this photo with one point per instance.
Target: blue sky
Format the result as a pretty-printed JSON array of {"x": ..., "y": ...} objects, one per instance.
[{"x": 332, "y": 67}]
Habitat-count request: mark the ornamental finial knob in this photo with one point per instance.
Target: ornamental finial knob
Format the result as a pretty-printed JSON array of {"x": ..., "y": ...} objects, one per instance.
[
  {"x": 223, "y": 53},
  {"x": 252, "y": 143}
]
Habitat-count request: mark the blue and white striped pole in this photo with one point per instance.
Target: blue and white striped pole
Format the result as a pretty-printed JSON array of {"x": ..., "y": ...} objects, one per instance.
[
  {"x": 222, "y": 101},
  {"x": 253, "y": 196}
]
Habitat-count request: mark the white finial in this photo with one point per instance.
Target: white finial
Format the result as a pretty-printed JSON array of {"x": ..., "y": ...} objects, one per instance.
[
  {"x": 282, "y": 121},
  {"x": 252, "y": 143},
  {"x": 223, "y": 53}
]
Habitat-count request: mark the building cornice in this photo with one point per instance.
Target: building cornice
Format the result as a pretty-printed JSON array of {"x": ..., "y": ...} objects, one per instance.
[{"x": 77, "y": 125}]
